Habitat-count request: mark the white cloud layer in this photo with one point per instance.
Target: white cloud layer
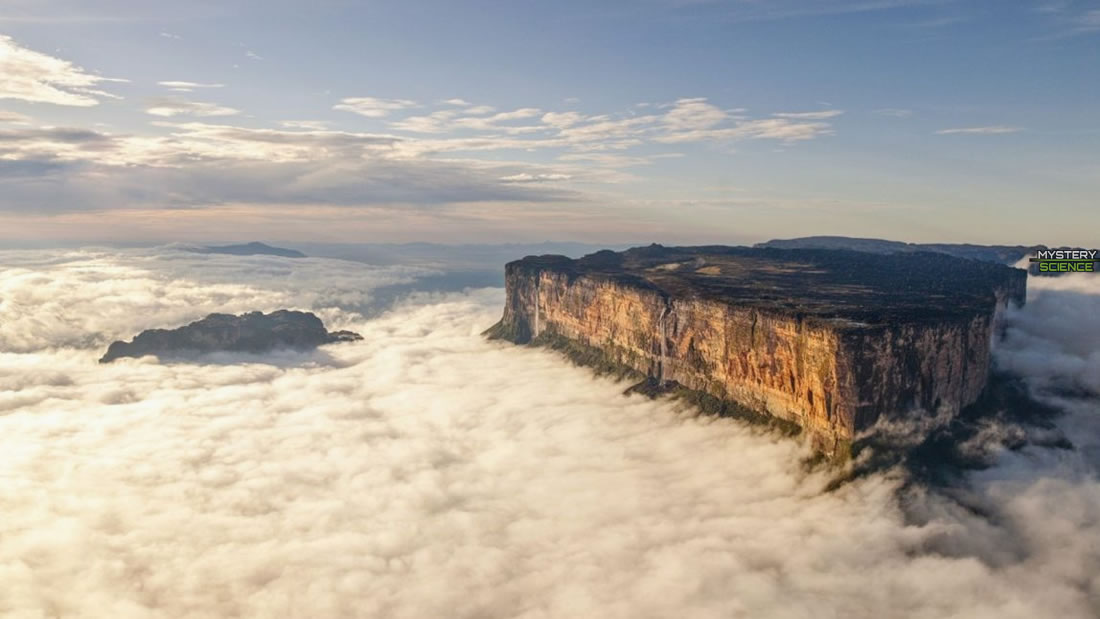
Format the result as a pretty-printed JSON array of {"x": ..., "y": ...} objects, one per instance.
[
  {"x": 1055, "y": 339},
  {"x": 425, "y": 472},
  {"x": 162, "y": 287},
  {"x": 32, "y": 76}
]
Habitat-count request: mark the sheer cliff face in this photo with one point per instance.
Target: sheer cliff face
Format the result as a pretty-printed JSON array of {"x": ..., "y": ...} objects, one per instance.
[{"x": 829, "y": 374}]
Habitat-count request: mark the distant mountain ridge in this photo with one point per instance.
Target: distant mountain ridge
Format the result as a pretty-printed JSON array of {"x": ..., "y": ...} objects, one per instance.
[
  {"x": 1003, "y": 254},
  {"x": 254, "y": 248}
]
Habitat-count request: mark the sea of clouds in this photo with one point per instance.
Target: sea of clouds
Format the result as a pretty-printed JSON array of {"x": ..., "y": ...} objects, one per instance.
[{"x": 425, "y": 472}]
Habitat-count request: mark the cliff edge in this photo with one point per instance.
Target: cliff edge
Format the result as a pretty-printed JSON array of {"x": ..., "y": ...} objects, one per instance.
[{"x": 830, "y": 341}]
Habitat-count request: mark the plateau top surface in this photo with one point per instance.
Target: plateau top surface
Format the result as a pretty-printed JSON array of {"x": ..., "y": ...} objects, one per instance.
[{"x": 849, "y": 289}]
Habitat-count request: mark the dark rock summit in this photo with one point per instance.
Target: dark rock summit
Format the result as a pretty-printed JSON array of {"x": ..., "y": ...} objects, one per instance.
[{"x": 254, "y": 332}]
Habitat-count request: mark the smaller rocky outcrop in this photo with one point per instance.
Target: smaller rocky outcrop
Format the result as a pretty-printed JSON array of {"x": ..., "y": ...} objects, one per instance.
[{"x": 254, "y": 332}]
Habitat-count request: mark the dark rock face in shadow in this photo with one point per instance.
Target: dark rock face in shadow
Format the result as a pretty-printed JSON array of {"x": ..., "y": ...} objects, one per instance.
[{"x": 254, "y": 332}]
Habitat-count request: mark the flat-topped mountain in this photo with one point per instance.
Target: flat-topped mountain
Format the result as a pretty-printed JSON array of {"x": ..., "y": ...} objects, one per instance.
[
  {"x": 249, "y": 249},
  {"x": 254, "y": 332},
  {"x": 830, "y": 341}
]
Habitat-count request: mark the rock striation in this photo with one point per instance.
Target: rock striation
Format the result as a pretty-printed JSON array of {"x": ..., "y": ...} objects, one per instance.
[
  {"x": 831, "y": 341},
  {"x": 254, "y": 332}
]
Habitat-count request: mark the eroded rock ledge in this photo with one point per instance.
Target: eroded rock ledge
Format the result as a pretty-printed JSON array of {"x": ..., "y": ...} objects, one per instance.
[
  {"x": 832, "y": 342},
  {"x": 254, "y": 332}
]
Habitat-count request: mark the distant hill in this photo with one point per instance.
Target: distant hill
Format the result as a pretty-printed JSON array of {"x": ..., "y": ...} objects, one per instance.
[
  {"x": 249, "y": 249},
  {"x": 468, "y": 257},
  {"x": 1003, "y": 254}
]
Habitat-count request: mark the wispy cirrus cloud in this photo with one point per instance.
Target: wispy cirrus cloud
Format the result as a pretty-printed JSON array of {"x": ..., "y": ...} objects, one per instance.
[
  {"x": 750, "y": 11},
  {"x": 562, "y": 120},
  {"x": 989, "y": 130},
  {"x": 780, "y": 129},
  {"x": 616, "y": 160},
  {"x": 183, "y": 86},
  {"x": 525, "y": 177},
  {"x": 373, "y": 107},
  {"x": 174, "y": 106},
  {"x": 311, "y": 125},
  {"x": 448, "y": 120},
  {"x": 939, "y": 22},
  {"x": 1070, "y": 18},
  {"x": 13, "y": 117},
  {"x": 436, "y": 122},
  {"x": 682, "y": 121},
  {"x": 820, "y": 115},
  {"x": 1089, "y": 21},
  {"x": 497, "y": 122},
  {"x": 694, "y": 120},
  {"x": 35, "y": 77}
]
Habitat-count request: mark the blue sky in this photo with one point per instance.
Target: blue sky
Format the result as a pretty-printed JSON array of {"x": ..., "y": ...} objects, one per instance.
[{"x": 664, "y": 120}]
